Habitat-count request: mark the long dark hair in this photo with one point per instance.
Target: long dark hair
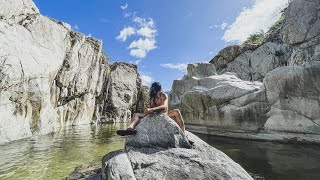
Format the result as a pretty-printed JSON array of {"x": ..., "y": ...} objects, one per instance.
[{"x": 154, "y": 89}]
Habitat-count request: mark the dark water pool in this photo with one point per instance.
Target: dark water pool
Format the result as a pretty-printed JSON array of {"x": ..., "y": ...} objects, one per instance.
[{"x": 269, "y": 160}]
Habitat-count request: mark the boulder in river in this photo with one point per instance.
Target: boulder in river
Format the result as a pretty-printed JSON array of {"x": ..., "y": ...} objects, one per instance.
[{"x": 160, "y": 150}]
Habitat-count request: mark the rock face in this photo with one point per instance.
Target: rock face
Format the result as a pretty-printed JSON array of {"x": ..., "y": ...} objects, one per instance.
[
  {"x": 220, "y": 101},
  {"x": 284, "y": 107},
  {"x": 52, "y": 77},
  {"x": 294, "y": 99},
  {"x": 123, "y": 92},
  {"x": 254, "y": 64},
  {"x": 160, "y": 151},
  {"x": 269, "y": 91}
]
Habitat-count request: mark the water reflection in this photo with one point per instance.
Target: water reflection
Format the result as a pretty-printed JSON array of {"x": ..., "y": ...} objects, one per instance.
[
  {"x": 54, "y": 156},
  {"x": 268, "y": 160}
]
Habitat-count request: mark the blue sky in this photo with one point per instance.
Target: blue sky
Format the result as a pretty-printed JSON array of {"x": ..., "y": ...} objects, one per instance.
[{"x": 162, "y": 36}]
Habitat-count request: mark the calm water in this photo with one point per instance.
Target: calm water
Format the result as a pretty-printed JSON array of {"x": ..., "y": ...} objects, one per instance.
[
  {"x": 55, "y": 156},
  {"x": 268, "y": 160}
]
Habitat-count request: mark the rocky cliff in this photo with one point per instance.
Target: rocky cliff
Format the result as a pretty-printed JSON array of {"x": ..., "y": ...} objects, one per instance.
[
  {"x": 52, "y": 77},
  {"x": 261, "y": 91}
]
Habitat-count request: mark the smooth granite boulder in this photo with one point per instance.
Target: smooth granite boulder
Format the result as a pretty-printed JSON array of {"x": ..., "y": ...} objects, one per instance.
[
  {"x": 158, "y": 130},
  {"x": 160, "y": 151}
]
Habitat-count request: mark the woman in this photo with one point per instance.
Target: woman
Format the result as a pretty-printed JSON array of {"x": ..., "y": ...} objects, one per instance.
[{"x": 158, "y": 103}]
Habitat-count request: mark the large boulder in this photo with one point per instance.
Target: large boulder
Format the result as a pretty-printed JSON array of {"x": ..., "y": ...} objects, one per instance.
[
  {"x": 160, "y": 151},
  {"x": 294, "y": 94},
  {"x": 221, "y": 101},
  {"x": 160, "y": 131}
]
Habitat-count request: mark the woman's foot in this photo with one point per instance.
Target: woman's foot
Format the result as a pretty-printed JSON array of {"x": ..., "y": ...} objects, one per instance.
[{"x": 125, "y": 132}]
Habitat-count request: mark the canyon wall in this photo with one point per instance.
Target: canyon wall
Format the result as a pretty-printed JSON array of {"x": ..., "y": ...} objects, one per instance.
[
  {"x": 52, "y": 77},
  {"x": 265, "y": 91}
]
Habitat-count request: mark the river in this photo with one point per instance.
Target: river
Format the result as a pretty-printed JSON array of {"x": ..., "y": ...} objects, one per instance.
[{"x": 55, "y": 155}]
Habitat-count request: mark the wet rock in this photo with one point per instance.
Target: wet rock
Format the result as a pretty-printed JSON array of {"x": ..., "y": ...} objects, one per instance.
[{"x": 85, "y": 173}]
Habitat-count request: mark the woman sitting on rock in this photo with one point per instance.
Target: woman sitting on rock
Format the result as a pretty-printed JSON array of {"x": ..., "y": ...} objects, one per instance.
[{"x": 158, "y": 103}]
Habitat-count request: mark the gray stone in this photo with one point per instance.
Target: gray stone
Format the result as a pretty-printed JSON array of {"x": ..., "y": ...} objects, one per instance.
[
  {"x": 253, "y": 65},
  {"x": 201, "y": 70},
  {"x": 241, "y": 66},
  {"x": 116, "y": 165},
  {"x": 162, "y": 162},
  {"x": 301, "y": 22},
  {"x": 123, "y": 91},
  {"x": 158, "y": 131},
  {"x": 229, "y": 53},
  {"x": 268, "y": 57}
]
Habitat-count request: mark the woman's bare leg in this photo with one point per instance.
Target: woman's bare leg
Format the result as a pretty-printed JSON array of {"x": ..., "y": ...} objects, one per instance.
[
  {"x": 135, "y": 120},
  {"x": 176, "y": 116}
]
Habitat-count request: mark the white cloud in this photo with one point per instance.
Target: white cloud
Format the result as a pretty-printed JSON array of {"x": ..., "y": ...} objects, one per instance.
[
  {"x": 127, "y": 14},
  {"x": 76, "y": 27},
  {"x": 144, "y": 22},
  {"x": 124, "y": 6},
  {"x": 224, "y": 25},
  {"x": 138, "y": 61},
  {"x": 213, "y": 26},
  {"x": 260, "y": 16},
  {"x": 146, "y": 80},
  {"x": 141, "y": 47},
  {"x": 180, "y": 66},
  {"x": 210, "y": 52},
  {"x": 139, "y": 53},
  {"x": 221, "y": 26},
  {"x": 147, "y": 32},
  {"x": 125, "y": 33}
]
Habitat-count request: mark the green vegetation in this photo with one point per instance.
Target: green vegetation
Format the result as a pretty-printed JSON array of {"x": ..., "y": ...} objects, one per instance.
[
  {"x": 276, "y": 25},
  {"x": 256, "y": 38},
  {"x": 259, "y": 37}
]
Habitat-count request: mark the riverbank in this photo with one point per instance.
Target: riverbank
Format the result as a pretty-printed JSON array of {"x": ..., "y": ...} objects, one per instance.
[{"x": 280, "y": 137}]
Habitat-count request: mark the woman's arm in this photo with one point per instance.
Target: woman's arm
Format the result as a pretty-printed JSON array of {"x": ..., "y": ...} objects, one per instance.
[{"x": 162, "y": 107}]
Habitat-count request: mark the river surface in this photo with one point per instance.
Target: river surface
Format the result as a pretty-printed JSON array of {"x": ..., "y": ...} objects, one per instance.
[{"x": 54, "y": 156}]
